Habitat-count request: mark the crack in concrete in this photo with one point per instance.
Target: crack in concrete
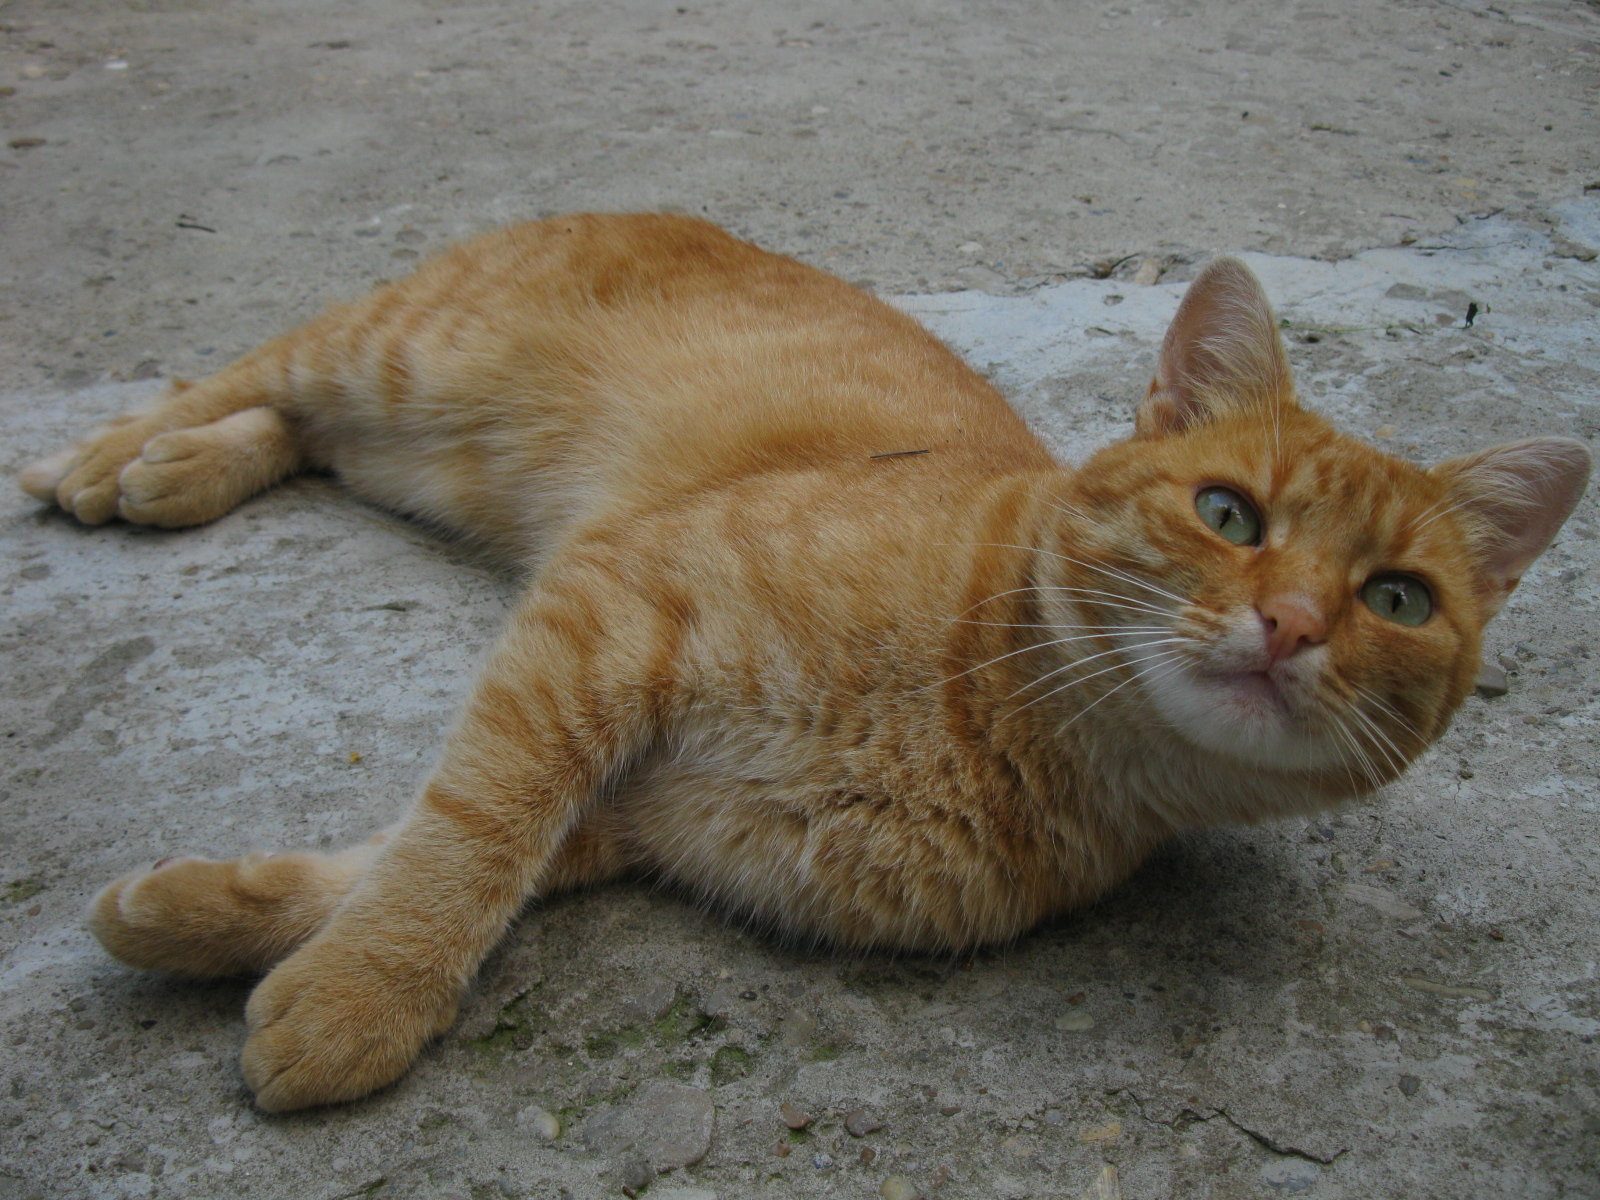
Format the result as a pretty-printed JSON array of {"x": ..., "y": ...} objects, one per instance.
[
  {"x": 1278, "y": 1147},
  {"x": 1262, "y": 1139},
  {"x": 366, "y": 1189}
]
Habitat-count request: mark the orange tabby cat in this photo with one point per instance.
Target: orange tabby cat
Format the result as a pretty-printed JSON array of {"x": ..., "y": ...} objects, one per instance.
[{"x": 887, "y": 699}]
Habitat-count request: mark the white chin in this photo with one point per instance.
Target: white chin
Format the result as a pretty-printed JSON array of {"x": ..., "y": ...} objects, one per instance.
[{"x": 1244, "y": 716}]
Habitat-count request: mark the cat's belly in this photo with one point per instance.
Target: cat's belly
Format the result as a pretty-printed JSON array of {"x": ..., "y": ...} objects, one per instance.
[{"x": 856, "y": 866}]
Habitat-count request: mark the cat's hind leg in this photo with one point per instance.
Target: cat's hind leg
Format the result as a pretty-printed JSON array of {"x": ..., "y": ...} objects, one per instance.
[
  {"x": 204, "y": 920},
  {"x": 188, "y": 458},
  {"x": 191, "y": 476}
]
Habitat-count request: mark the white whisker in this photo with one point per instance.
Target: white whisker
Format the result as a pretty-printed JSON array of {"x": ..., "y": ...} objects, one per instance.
[
  {"x": 1107, "y": 629},
  {"x": 1112, "y": 600},
  {"x": 1078, "y": 662},
  {"x": 1369, "y": 771},
  {"x": 1022, "y": 650},
  {"x": 1095, "y": 675},
  {"x": 1396, "y": 756},
  {"x": 1050, "y": 587},
  {"x": 1393, "y": 713},
  {"x": 1165, "y": 663},
  {"x": 1062, "y": 508},
  {"x": 1115, "y": 574}
]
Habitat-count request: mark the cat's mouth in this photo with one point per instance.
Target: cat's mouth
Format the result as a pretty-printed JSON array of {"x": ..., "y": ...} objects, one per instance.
[
  {"x": 1253, "y": 695},
  {"x": 1270, "y": 717}
]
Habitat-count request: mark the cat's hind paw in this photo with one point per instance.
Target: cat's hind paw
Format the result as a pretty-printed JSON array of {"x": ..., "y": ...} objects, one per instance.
[
  {"x": 204, "y": 920},
  {"x": 140, "y": 469},
  {"x": 83, "y": 478},
  {"x": 41, "y": 479},
  {"x": 164, "y": 918},
  {"x": 191, "y": 476},
  {"x": 331, "y": 1024}
]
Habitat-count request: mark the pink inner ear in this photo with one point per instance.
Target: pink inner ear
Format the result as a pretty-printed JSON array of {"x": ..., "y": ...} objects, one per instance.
[
  {"x": 1222, "y": 351},
  {"x": 1511, "y": 500}
]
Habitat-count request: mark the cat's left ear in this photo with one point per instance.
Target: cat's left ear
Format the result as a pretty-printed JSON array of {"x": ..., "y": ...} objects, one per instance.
[
  {"x": 1511, "y": 500},
  {"x": 1222, "y": 352}
]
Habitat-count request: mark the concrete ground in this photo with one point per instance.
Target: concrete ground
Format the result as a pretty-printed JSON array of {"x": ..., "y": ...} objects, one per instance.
[{"x": 1395, "y": 1001}]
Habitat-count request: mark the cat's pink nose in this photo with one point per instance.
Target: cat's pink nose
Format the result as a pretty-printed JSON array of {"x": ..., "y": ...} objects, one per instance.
[{"x": 1290, "y": 622}]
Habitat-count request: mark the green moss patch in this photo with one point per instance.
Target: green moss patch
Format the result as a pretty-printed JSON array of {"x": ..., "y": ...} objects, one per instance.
[
  {"x": 19, "y": 890},
  {"x": 729, "y": 1064}
]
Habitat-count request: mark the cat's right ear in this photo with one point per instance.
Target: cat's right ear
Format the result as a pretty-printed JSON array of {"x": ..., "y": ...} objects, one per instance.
[{"x": 1222, "y": 351}]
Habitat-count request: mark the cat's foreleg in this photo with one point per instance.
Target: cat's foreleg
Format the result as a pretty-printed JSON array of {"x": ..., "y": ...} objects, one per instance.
[{"x": 563, "y": 703}]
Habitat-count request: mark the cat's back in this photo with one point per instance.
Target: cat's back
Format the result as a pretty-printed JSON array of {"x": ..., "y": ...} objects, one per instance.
[
  {"x": 693, "y": 337},
  {"x": 555, "y": 369}
]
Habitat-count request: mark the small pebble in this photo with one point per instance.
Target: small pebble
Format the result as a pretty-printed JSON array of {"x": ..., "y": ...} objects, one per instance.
[
  {"x": 652, "y": 1001},
  {"x": 1108, "y": 1132},
  {"x": 822, "y": 1162},
  {"x": 868, "y": 1156},
  {"x": 793, "y": 1117},
  {"x": 1409, "y": 1085},
  {"x": 1388, "y": 903},
  {"x": 859, "y": 1124},
  {"x": 635, "y": 1172},
  {"x": 1418, "y": 984},
  {"x": 1106, "y": 1185},
  {"x": 1291, "y": 1175},
  {"x": 545, "y": 1126},
  {"x": 669, "y": 1124},
  {"x": 1076, "y": 1022},
  {"x": 897, "y": 1187},
  {"x": 1491, "y": 681},
  {"x": 949, "y": 1110}
]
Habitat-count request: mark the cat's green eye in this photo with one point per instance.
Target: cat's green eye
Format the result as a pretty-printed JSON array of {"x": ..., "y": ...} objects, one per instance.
[
  {"x": 1399, "y": 598},
  {"x": 1229, "y": 514}
]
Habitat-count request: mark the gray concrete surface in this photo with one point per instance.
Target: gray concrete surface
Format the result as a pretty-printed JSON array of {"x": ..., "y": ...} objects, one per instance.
[{"x": 1396, "y": 1001}]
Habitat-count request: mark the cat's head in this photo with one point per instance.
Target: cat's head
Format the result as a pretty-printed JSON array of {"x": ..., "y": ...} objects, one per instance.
[{"x": 1288, "y": 597}]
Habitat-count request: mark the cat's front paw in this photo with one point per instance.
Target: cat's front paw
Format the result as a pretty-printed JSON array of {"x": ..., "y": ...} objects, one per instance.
[{"x": 328, "y": 1025}]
